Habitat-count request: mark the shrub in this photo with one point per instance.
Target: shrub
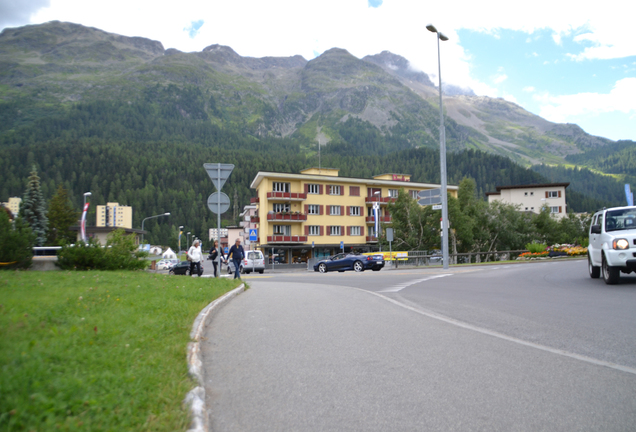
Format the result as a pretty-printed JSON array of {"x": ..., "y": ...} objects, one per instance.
[
  {"x": 16, "y": 243},
  {"x": 536, "y": 247},
  {"x": 119, "y": 253}
]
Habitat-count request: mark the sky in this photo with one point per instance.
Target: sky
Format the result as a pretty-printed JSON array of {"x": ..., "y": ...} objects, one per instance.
[{"x": 568, "y": 61}]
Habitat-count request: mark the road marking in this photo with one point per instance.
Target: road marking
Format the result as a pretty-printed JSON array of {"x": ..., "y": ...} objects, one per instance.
[
  {"x": 512, "y": 339},
  {"x": 400, "y": 287}
]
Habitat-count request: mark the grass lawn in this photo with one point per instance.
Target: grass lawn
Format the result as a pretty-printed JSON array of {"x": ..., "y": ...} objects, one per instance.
[{"x": 96, "y": 350}]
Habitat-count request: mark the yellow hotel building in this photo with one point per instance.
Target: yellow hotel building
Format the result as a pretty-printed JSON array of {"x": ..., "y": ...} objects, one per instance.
[{"x": 320, "y": 209}]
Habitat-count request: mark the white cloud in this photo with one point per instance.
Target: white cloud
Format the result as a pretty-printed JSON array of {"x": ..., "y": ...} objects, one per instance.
[
  {"x": 499, "y": 78},
  {"x": 529, "y": 89},
  {"x": 561, "y": 109}
]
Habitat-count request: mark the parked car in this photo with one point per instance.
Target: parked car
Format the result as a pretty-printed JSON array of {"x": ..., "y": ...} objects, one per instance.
[
  {"x": 183, "y": 268},
  {"x": 255, "y": 261},
  {"x": 612, "y": 241},
  {"x": 350, "y": 261},
  {"x": 166, "y": 264}
]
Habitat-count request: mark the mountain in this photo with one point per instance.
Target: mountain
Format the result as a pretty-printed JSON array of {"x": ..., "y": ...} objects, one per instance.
[{"x": 45, "y": 68}]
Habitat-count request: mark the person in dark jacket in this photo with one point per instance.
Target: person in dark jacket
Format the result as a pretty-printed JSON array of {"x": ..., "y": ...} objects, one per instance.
[
  {"x": 214, "y": 255},
  {"x": 237, "y": 253}
]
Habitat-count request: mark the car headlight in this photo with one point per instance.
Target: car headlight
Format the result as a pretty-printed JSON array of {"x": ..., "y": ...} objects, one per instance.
[{"x": 620, "y": 244}]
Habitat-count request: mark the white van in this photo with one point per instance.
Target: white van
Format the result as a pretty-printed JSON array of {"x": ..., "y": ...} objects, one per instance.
[{"x": 253, "y": 262}]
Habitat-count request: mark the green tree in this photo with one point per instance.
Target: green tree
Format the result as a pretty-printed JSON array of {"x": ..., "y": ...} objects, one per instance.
[
  {"x": 16, "y": 243},
  {"x": 33, "y": 208},
  {"x": 61, "y": 216},
  {"x": 414, "y": 227}
]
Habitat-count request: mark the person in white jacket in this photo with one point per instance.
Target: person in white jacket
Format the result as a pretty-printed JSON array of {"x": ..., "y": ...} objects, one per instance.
[{"x": 196, "y": 256}]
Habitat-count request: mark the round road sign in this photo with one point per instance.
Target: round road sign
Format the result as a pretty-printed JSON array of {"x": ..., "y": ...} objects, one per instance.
[{"x": 213, "y": 202}]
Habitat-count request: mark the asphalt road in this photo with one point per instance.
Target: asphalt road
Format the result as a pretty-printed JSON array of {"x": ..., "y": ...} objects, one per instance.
[{"x": 527, "y": 347}]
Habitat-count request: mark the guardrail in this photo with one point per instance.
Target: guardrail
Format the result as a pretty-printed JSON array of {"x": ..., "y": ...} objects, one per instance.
[{"x": 46, "y": 250}]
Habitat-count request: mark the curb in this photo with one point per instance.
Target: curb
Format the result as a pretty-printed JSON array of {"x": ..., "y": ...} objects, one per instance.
[{"x": 195, "y": 398}]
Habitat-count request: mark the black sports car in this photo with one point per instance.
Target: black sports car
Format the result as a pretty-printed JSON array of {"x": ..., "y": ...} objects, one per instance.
[
  {"x": 183, "y": 268},
  {"x": 350, "y": 261}
]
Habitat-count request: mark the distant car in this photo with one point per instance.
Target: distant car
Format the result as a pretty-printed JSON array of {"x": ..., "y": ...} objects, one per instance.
[
  {"x": 183, "y": 268},
  {"x": 166, "y": 264},
  {"x": 255, "y": 261},
  {"x": 350, "y": 261},
  {"x": 612, "y": 241}
]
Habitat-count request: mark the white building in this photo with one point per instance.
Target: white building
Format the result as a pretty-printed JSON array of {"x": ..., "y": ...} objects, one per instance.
[
  {"x": 531, "y": 198},
  {"x": 213, "y": 233},
  {"x": 13, "y": 205}
]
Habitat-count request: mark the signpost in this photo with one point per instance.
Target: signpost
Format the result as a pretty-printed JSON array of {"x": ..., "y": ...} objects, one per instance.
[
  {"x": 218, "y": 202},
  {"x": 253, "y": 234},
  {"x": 389, "y": 238}
]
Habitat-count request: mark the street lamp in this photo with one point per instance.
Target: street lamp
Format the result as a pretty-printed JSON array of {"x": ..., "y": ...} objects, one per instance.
[
  {"x": 150, "y": 217},
  {"x": 442, "y": 151},
  {"x": 85, "y": 195},
  {"x": 180, "y": 228},
  {"x": 188, "y": 247}
]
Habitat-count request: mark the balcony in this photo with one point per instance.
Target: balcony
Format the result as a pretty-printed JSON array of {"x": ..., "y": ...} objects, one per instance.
[
  {"x": 383, "y": 219},
  {"x": 255, "y": 219},
  {"x": 254, "y": 200},
  {"x": 286, "y": 239},
  {"x": 286, "y": 217},
  {"x": 372, "y": 239},
  {"x": 380, "y": 200},
  {"x": 286, "y": 196}
]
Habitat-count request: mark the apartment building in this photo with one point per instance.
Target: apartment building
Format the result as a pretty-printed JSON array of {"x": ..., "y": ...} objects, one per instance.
[
  {"x": 113, "y": 215},
  {"x": 309, "y": 215},
  {"x": 531, "y": 198},
  {"x": 13, "y": 205}
]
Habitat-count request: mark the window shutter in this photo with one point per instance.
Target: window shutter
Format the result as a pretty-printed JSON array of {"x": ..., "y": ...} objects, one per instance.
[
  {"x": 348, "y": 211},
  {"x": 306, "y": 208},
  {"x": 341, "y": 210},
  {"x": 361, "y": 230},
  {"x": 321, "y": 208},
  {"x": 560, "y": 208},
  {"x": 306, "y": 188},
  {"x": 322, "y": 230},
  {"x": 342, "y": 230},
  {"x": 559, "y": 197},
  {"x": 328, "y": 230},
  {"x": 342, "y": 190},
  {"x": 329, "y": 210},
  {"x": 348, "y": 230},
  {"x": 306, "y": 229},
  {"x": 320, "y": 190},
  {"x": 546, "y": 194}
]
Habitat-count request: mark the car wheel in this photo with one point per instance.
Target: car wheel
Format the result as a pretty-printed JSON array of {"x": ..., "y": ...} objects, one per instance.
[
  {"x": 595, "y": 272},
  {"x": 358, "y": 267},
  {"x": 611, "y": 275},
  {"x": 375, "y": 269},
  {"x": 171, "y": 272},
  {"x": 242, "y": 270},
  {"x": 322, "y": 268},
  {"x": 261, "y": 271}
]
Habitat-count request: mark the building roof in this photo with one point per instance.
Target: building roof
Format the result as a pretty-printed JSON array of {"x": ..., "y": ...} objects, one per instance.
[
  {"x": 544, "y": 185},
  {"x": 261, "y": 175}
]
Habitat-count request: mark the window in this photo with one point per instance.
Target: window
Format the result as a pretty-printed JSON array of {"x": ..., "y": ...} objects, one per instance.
[
  {"x": 354, "y": 190},
  {"x": 334, "y": 210},
  {"x": 313, "y": 189},
  {"x": 282, "y": 230},
  {"x": 554, "y": 209},
  {"x": 280, "y": 208},
  {"x": 552, "y": 194},
  {"x": 280, "y": 187},
  {"x": 313, "y": 230},
  {"x": 413, "y": 194},
  {"x": 354, "y": 211},
  {"x": 313, "y": 209},
  {"x": 393, "y": 193},
  {"x": 334, "y": 190},
  {"x": 355, "y": 231},
  {"x": 334, "y": 231}
]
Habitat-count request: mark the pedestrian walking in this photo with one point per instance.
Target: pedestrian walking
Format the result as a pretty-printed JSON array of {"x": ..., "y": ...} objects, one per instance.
[
  {"x": 195, "y": 256},
  {"x": 214, "y": 255},
  {"x": 237, "y": 253}
]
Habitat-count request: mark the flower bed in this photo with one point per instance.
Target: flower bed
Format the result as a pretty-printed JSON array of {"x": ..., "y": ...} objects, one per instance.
[{"x": 556, "y": 251}]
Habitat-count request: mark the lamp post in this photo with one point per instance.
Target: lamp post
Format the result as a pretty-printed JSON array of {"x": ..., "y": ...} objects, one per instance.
[
  {"x": 83, "y": 219},
  {"x": 188, "y": 246},
  {"x": 442, "y": 152},
  {"x": 150, "y": 217},
  {"x": 180, "y": 228}
]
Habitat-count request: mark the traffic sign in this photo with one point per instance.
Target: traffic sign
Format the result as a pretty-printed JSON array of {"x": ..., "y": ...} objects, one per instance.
[
  {"x": 253, "y": 234},
  {"x": 342, "y": 245},
  {"x": 429, "y": 193},
  {"x": 437, "y": 207},
  {"x": 213, "y": 202},
  {"x": 218, "y": 173}
]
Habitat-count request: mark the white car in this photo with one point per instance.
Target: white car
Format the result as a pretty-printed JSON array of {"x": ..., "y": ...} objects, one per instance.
[
  {"x": 166, "y": 264},
  {"x": 612, "y": 247},
  {"x": 255, "y": 261}
]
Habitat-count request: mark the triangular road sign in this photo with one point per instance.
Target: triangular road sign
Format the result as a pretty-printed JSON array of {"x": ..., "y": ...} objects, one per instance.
[{"x": 217, "y": 176}]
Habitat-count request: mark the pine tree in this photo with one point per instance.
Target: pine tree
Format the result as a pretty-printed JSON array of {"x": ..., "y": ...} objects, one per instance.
[
  {"x": 61, "y": 216},
  {"x": 33, "y": 208}
]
